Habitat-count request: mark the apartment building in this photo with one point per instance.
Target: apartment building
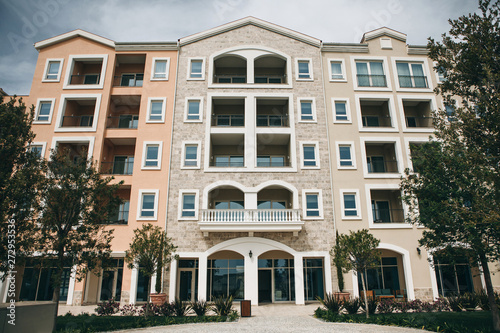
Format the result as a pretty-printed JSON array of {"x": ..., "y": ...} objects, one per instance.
[{"x": 251, "y": 144}]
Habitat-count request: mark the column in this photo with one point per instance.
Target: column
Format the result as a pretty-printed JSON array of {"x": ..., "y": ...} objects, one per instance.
[
  {"x": 202, "y": 276},
  {"x": 252, "y": 279},
  {"x": 71, "y": 287},
  {"x": 173, "y": 280},
  {"x": 299, "y": 279},
  {"x": 133, "y": 285}
]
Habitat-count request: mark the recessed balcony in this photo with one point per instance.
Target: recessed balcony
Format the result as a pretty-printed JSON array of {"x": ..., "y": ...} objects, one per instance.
[
  {"x": 418, "y": 114},
  {"x": 230, "y": 69},
  {"x": 270, "y": 70},
  {"x": 129, "y": 70},
  {"x": 375, "y": 113},
  {"x": 387, "y": 206},
  {"x": 272, "y": 113},
  {"x": 123, "y": 112},
  {"x": 381, "y": 158},
  {"x": 228, "y": 112}
]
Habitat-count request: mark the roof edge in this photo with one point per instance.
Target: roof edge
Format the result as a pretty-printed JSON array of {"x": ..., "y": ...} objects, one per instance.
[
  {"x": 383, "y": 31},
  {"x": 72, "y": 34}
]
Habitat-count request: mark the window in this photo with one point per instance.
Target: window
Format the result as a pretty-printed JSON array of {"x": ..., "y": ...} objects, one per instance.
[
  {"x": 152, "y": 155},
  {"x": 188, "y": 205},
  {"x": 307, "y": 110},
  {"x": 370, "y": 74},
  {"x": 381, "y": 211},
  {"x": 309, "y": 156},
  {"x": 411, "y": 75},
  {"x": 120, "y": 216},
  {"x": 229, "y": 161},
  {"x": 450, "y": 112},
  {"x": 376, "y": 164},
  {"x": 345, "y": 155},
  {"x": 53, "y": 70},
  {"x": 160, "y": 69},
  {"x": 271, "y": 161},
  {"x": 38, "y": 149},
  {"x": 350, "y": 204},
  {"x": 341, "y": 111},
  {"x": 337, "y": 70},
  {"x": 441, "y": 74},
  {"x": 304, "y": 71},
  {"x": 196, "y": 69},
  {"x": 226, "y": 277},
  {"x": 312, "y": 202},
  {"x": 128, "y": 121},
  {"x": 191, "y": 155},
  {"x": 314, "y": 285},
  {"x": 43, "y": 114},
  {"x": 383, "y": 279},
  {"x": 156, "y": 110},
  {"x": 193, "y": 110},
  {"x": 123, "y": 165},
  {"x": 148, "y": 204}
]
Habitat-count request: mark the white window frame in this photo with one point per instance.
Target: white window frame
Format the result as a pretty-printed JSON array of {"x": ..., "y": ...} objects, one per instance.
[
  {"x": 353, "y": 155},
  {"x": 423, "y": 98},
  {"x": 75, "y": 139},
  {"x": 181, "y": 203},
  {"x": 163, "y": 108},
  {"x": 381, "y": 59},
  {"x": 144, "y": 154},
  {"x": 62, "y": 109},
  {"x": 198, "y": 154},
  {"x": 315, "y": 144},
  {"x": 37, "y": 110},
  {"x": 155, "y": 59},
  {"x": 186, "y": 110},
  {"x": 347, "y": 110},
  {"x": 342, "y": 67},
  {"x": 392, "y": 112},
  {"x": 190, "y": 60},
  {"x": 357, "y": 201},
  {"x": 156, "y": 193},
  {"x": 425, "y": 67},
  {"x": 319, "y": 193},
  {"x": 42, "y": 144},
  {"x": 436, "y": 73},
  {"x": 69, "y": 70},
  {"x": 311, "y": 76},
  {"x": 371, "y": 223},
  {"x": 46, "y": 71},
  {"x": 313, "y": 109},
  {"x": 397, "y": 151}
]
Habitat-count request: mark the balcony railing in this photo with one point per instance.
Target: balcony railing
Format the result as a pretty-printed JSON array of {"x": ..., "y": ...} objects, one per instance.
[
  {"x": 128, "y": 80},
  {"x": 376, "y": 121},
  {"x": 422, "y": 121},
  {"x": 270, "y": 78},
  {"x": 230, "y": 78},
  {"x": 119, "y": 222},
  {"x": 272, "y": 121},
  {"x": 407, "y": 81},
  {"x": 387, "y": 215},
  {"x": 228, "y": 163},
  {"x": 250, "y": 215},
  {"x": 228, "y": 120},
  {"x": 382, "y": 166},
  {"x": 123, "y": 121},
  {"x": 117, "y": 167},
  {"x": 78, "y": 121},
  {"x": 365, "y": 80},
  {"x": 85, "y": 79}
]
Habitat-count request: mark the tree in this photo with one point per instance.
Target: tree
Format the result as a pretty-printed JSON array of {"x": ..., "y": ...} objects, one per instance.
[
  {"x": 357, "y": 252},
  {"x": 21, "y": 176},
  {"x": 151, "y": 250},
  {"x": 457, "y": 187},
  {"x": 77, "y": 203}
]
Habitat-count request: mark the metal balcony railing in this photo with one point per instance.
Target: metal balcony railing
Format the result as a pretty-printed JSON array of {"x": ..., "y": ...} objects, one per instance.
[
  {"x": 407, "y": 81},
  {"x": 119, "y": 222},
  {"x": 365, "y": 80},
  {"x": 376, "y": 166},
  {"x": 250, "y": 215},
  {"x": 230, "y": 78},
  {"x": 124, "y": 121},
  {"x": 128, "y": 80},
  {"x": 376, "y": 121},
  {"x": 78, "y": 121},
  {"x": 387, "y": 215},
  {"x": 234, "y": 120},
  {"x": 270, "y": 78},
  {"x": 85, "y": 79},
  {"x": 419, "y": 121},
  {"x": 117, "y": 167},
  {"x": 269, "y": 120}
]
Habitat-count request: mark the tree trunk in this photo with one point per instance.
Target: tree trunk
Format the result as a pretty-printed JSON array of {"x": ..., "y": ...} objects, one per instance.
[
  {"x": 491, "y": 295},
  {"x": 55, "y": 298},
  {"x": 147, "y": 296},
  {"x": 364, "y": 292}
]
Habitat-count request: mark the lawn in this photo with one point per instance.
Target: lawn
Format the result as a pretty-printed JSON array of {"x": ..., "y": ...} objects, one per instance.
[{"x": 463, "y": 322}]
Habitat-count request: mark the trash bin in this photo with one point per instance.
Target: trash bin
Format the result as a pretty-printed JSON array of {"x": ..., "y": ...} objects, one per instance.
[{"x": 246, "y": 308}]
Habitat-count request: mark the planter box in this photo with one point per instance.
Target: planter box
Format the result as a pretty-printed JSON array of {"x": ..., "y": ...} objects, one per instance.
[
  {"x": 158, "y": 299},
  {"x": 342, "y": 296}
]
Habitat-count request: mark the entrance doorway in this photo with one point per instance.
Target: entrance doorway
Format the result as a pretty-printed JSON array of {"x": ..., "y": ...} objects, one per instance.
[
  {"x": 265, "y": 283},
  {"x": 187, "y": 284},
  {"x": 276, "y": 277}
]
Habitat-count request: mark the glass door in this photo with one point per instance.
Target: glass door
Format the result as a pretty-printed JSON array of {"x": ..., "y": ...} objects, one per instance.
[{"x": 186, "y": 285}]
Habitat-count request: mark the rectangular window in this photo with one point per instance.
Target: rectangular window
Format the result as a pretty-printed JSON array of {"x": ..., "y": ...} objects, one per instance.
[
  {"x": 381, "y": 211},
  {"x": 341, "y": 111},
  {"x": 229, "y": 161},
  {"x": 411, "y": 75},
  {"x": 91, "y": 78},
  {"x": 345, "y": 156},
  {"x": 156, "y": 112},
  {"x": 120, "y": 216},
  {"x": 53, "y": 70},
  {"x": 193, "y": 110},
  {"x": 336, "y": 71},
  {"x": 304, "y": 69},
  {"x": 450, "y": 112},
  {"x": 44, "y": 111},
  {"x": 128, "y": 121},
  {"x": 312, "y": 204},
  {"x": 160, "y": 69},
  {"x": 152, "y": 155},
  {"x": 188, "y": 205},
  {"x": 271, "y": 161},
  {"x": 307, "y": 110},
  {"x": 148, "y": 205},
  {"x": 191, "y": 155},
  {"x": 196, "y": 69},
  {"x": 350, "y": 208},
  {"x": 370, "y": 74},
  {"x": 309, "y": 155},
  {"x": 37, "y": 149}
]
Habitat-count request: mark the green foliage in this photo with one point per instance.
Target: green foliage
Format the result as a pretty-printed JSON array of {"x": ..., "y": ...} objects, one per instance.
[
  {"x": 223, "y": 305},
  {"x": 180, "y": 308},
  {"x": 371, "y": 304},
  {"x": 233, "y": 315},
  {"x": 21, "y": 180},
  {"x": 352, "y": 305},
  {"x": 331, "y": 302},
  {"x": 200, "y": 307},
  {"x": 483, "y": 300},
  {"x": 338, "y": 265}
]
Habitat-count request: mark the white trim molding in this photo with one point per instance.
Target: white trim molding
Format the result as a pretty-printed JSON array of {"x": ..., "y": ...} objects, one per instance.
[
  {"x": 357, "y": 201},
  {"x": 45, "y": 72},
  {"x": 145, "y": 144},
  {"x": 397, "y": 153},
  {"x": 87, "y": 57},
  {"x": 62, "y": 110},
  {"x": 39, "y": 101},
  {"x": 371, "y": 223},
  {"x": 154, "y": 60},
  {"x": 181, "y": 204},
  {"x": 156, "y": 193},
  {"x": 319, "y": 194}
]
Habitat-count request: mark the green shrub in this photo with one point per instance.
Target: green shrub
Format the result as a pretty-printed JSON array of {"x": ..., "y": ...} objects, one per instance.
[
  {"x": 180, "y": 308},
  {"x": 352, "y": 305},
  {"x": 372, "y": 305},
  {"x": 233, "y": 315},
  {"x": 222, "y": 305},
  {"x": 386, "y": 306},
  {"x": 455, "y": 303},
  {"x": 200, "y": 307},
  {"x": 469, "y": 301},
  {"x": 331, "y": 302}
]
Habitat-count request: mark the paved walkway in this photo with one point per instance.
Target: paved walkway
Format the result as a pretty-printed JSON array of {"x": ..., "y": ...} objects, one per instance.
[{"x": 265, "y": 318}]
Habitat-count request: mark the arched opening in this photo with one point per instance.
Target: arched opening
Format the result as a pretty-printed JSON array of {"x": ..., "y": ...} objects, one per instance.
[
  {"x": 274, "y": 197},
  {"x": 225, "y": 275},
  {"x": 276, "y": 277},
  {"x": 230, "y": 69},
  {"x": 225, "y": 203},
  {"x": 270, "y": 69}
]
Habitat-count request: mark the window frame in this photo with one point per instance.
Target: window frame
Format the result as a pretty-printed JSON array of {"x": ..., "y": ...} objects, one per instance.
[
  {"x": 342, "y": 68},
  {"x": 356, "y": 200},
  {"x": 186, "y": 110},
  {"x": 198, "y": 154},
  {"x": 140, "y": 202},
  {"x": 39, "y": 102},
  {"x": 155, "y": 59},
  {"x": 347, "y": 110},
  {"x": 297, "y": 74},
  {"x": 181, "y": 204},
  {"x": 381, "y": 59},
  {"x": 319, "y": 194},
  {"x": 189, "y": 69},
  {"x": 79, "y": 57},
  {"x": 46, "y": 70},
  {"x": 314, "y": 144},
  {"x": 338, "y": 144},
  {"x": 312, "y": 100},
  {"x": 397, "y": 151},
  {"x": 144, "y": 155},
  {"x": 377, "y": 97},
  {"x": 62, "y": 109},
  {"x": 39, "y": 144},
  {"x": 163, "y": 108},
  {"x": 425, "y": 68},
  {"x": 378, "y": 225}
]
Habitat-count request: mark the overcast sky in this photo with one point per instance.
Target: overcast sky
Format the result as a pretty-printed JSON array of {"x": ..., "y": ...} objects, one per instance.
[{"x": 24, "y": 22}]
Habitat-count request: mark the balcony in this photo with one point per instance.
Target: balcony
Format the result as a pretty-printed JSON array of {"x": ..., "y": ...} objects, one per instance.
[
  {"x": 230, "y": 69},
  {"x": 270, "y": 70},
  {"x": 129, "y": 80},
  {"x": 120, "y": 215},
  {"x": 84, "y": 79},
  {"x": 375, "y": 113},
  {"x": 272, "y": 113},
  {"x": 228, "y": 112},
  {"x": 87, "y": 71},
  {"x": 118, "y": 158},
  {"x": 227, "y": 150},
  {"x": 250, "y": 220},
  {"x": 232, "y": 120},
  {"x": 78, "y": 113},
  {"x": 129, "y": 70},
  {"x": 122, "y": 165},
  {"x": 381, "y": 158},
  {"x": 123, "y": 112},
  {"x": 365, "y": 80},
  {"x": 78, "y": 121},
  {"x": 418, "y": 114},
  {"x": 386, "y": 206}
]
